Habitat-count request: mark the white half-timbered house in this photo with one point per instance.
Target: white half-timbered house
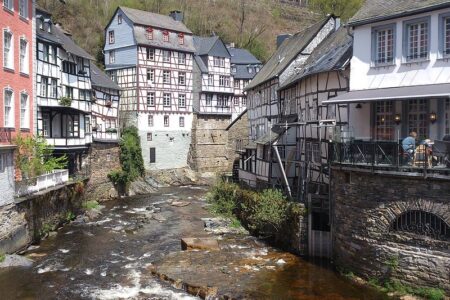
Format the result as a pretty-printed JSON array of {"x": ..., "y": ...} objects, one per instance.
[
  {"x": 105, "y": 107},
  {"x": 256, "y": 167},
  {"x": 244, "y": 67},
  {"x": 63, "y": 92},
  {"x": 150, "y": 56}
]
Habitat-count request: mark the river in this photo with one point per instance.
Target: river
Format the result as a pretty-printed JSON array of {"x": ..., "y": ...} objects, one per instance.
[{"x": 112, "y": 257}]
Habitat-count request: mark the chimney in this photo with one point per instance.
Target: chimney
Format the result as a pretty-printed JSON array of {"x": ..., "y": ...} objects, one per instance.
[
  {"x": 177, "y": 15},
  {"x": 281, "y": 38}
]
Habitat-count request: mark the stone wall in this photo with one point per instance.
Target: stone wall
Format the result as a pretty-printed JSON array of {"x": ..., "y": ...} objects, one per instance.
[
  {"x": 25, "y": 221},
  {"x": 208, "y": 151},
  {"x": 364, "y": 208},
  {"x": 104, "y": 158},
  {"x": 238, "y": 131}
]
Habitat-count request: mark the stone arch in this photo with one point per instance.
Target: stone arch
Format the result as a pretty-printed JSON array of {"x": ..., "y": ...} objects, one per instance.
[{"x": 422, "y": 223}]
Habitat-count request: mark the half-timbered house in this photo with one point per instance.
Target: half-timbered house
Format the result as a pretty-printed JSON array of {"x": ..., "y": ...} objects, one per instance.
[
  {"x": 263, "y": 103},
  {"x": 304, "y": 146},
  {"x": 63, "y": 92},
  {"x": 150, "y": 56},
  {"x": 244, "y": 67}
]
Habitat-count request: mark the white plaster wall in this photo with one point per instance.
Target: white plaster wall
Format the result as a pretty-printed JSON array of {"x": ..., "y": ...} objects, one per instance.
[{"x": 364, "y": 76}]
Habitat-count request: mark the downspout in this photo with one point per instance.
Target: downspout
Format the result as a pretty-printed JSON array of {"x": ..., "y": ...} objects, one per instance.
[{"x": 274, "y": 145}]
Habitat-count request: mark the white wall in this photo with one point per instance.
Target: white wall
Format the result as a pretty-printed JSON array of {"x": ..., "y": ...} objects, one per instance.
[{"x": 364, "y": 76}]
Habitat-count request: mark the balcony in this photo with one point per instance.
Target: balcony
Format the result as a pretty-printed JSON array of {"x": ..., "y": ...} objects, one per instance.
[
  {"x": 84, "y": 105},
  {"x": 69, "y": 142},
  {"x": 381, "y": 156},
  {"x": 33, "y": 185}
]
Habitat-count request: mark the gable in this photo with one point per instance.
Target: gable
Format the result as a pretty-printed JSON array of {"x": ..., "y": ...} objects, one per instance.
[{"x": 219, "y": 49}]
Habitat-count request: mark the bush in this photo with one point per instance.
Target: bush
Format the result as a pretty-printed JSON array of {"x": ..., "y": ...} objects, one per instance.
[
  {"x": 88, "y": 205},
  {"x": 118, "y": 177},
  {"x": 131, "y": 153},
  {"x": 222, "y": 198},
  {"x": 65, "y": 101},
  {"x": 2, "y": 257}
]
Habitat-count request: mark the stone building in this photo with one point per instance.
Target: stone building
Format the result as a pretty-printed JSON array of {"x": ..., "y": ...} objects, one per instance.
[
  {"x": 150, "y": 56},
  {"x": 391, "y": 199}
]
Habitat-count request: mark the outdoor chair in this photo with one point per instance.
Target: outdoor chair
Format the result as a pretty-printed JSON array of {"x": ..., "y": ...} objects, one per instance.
[{"x": 422, "y": 158}]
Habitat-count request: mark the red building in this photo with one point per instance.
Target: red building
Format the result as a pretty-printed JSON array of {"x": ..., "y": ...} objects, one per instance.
[{"x": 16, "y": 83}]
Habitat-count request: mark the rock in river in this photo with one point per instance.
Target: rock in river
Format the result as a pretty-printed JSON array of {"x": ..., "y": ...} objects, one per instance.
[
  {"x": 199, "y": 244},
  {"x": 16, "y": 261}
]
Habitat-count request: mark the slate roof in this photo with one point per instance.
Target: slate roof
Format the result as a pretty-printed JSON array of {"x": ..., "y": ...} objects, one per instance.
[
  {"x": 286, "y": 53},
  {"x": 242, "y": 56},
  {"x": 333, "y": 53},
  {"x": 379, "y": 10},
  {"x": 200, "y": 64},
  {"x": 210, "y": 46},
  {"x": 242, "y": 72},
  {"x": 141, "y": 39},
  {"x": 68, "y": 44},
  {"x": 147, "y": 18},
  {"x": 100, "y": 79}
]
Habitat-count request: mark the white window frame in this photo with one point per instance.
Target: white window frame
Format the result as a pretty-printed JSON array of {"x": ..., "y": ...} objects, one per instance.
[
  {"x": 119, "y": 19},
  {"x": 166, "y": 77},
  {"x": 167, "y": 99},
  {"x": 419, "y": 56},
  {"x": 166, "y": 56},
  {"x": 24, "y": 111},
  {"x": 149, "y": 137},
  {"x": 182, "y": 100},
  {"x": 111, "y": 37},
  {"x": 8, "y": 118},
  {"x": 150, "y": 98},
  {"x": 24, "y": 60},
  {"x": 8, "y": 55},
  {"x": 23, "y": 8},
  {"x": 181, "y": 122},
  {"x": 150, "y": 75},
  {"x": 181, "y": 78},
  {"x": 211, "y": 79},
  {"x": 166, "y": 121},
  {"x": 8, "y": 4},
  {"x": 208, "y": 99},
  {"x": 150, "y": 54},
  {"x": 222, "y": 80},
  {"x": 150, "y": 121},
  {"x": 112, "y": 56},
  {"x": 181, "y": 58}
]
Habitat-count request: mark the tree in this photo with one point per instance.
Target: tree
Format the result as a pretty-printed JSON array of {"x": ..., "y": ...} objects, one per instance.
[{"x": 342, "y": 8}]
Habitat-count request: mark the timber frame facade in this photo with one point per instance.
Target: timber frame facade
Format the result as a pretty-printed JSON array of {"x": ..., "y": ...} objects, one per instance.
[{"x": 63, "y": 93}]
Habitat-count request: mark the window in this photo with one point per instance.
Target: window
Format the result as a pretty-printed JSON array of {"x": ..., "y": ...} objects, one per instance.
[
  {"x": 417, "y": 117},
  {"x": 69, "y": 67},
  {"x": 69, "y": 92},
  {"x": 208, "y": 100},
  {"x": 219, "y": 62},
  {"x": 383, "y": 45},
  {"x": 149, "y": 33},
  {"x": 166, "y": 121},
  {"x": 244, "y": 101},
  {"x": 165, "y": 36},
  {"x": 150, "y": 121},
  {"x": 45, "y": 125},
  {"x": 166, "y": 99},
  {"x": 23, "y": 60},
  {"x": 384, "y": 122},
  {"x": 112, "y": 56},
  {"x": 150, "y": 54},
  {"x": 119, "y": 19},
  {"x": 53, "y": 88},
  {"x": 237, "y": 84},
  {"x": 166, "y": 77},
  {"x": 166, "y": 56},
  {"x": 233, "y": 69},
  {"x": 152, "y": 155},
  {"x": 210, "y": 79},
  {"x": 181, "y": 58},
  {"x": 43, "y": 86},
  {"x": 417, "y": 40},
  {"x": 86, "y": 95},
  {"x": 182, "y": 78},
  {"x": 181, "y": 100},
  {"x": 8, "y": 4},
  {"x": 149, "y": 136},
  {"x": 8, "y": 55},
  {"x": 227, "y": 81},
  {"x": 250, "y": 70},
  {"x": 445, "y": 36},
  {"x": 224, "y": 81},
  {"x": 181, "y": 121},
  {"x": 150, "y": 99},
  {"x": 150, "y": 75},
  {"x": 9, "y": 108},
  {"x": 420, "y": 222},
  {"x": 181, "y": 38},
  {"x": 71, "y": 125},
  {"x": 111, "y": 37},
  {"x": 222, "y": 101},
  {"x": 47, "y": 53},
  {"x": 236, "y": 100},
  {"x": 23, "y": 8},
  {"x": 3, "y": 162}
]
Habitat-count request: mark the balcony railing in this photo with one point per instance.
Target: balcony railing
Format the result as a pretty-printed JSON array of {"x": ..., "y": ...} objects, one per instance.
[
  {"x": 69, "y": 142},
  {"x": 391, "y": 156},
  {"x": 33, "y": 185}
]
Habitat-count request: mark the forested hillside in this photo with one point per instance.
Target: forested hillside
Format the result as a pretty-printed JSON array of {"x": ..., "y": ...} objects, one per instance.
[{"x": 251, "y": 24}]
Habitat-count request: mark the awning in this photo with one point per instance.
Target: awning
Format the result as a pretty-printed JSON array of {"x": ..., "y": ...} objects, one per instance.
[
  {"x": 396, "y": 93},
  {"x": 268, "y": 138}
]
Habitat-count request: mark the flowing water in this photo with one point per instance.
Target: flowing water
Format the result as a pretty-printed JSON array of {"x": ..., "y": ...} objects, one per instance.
[{"x": 111, "y": 258}]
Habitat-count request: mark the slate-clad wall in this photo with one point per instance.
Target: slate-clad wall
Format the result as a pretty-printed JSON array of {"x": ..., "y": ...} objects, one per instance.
[{"x": 365, "y": 205}]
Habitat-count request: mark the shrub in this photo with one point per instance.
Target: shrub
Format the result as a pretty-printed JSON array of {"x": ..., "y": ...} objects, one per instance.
[
  {"x": 2, "y": 257},
  {"x": 131, "y": 153},
  {"x": 65, "y": 101},
  {"x": 223, "y": 197},
  {"x": 118, "y": 177},
  {"x": 88, "y": 205}
]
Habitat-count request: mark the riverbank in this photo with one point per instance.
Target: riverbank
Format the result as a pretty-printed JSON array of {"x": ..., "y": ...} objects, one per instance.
[{"x": 134, "y": 237}]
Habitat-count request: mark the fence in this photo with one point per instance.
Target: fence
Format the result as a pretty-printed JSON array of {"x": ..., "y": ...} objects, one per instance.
[{"x": 39, "y": 183}]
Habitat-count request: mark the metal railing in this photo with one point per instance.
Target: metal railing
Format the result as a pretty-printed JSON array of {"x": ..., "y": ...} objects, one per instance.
[
  {"x": 389, "y": 155},
  {"x": 32, "y": 185}
]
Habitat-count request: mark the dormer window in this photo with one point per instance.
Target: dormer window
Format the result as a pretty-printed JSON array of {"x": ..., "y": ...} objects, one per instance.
[
  {"x": 149, "y": 33},
  {"x": 417, "y": 33},
  {"x": 41, "y": 23},
  {"x": 165, "y": 36},
  {"x": 49, "y": 28},
  {"x": 250, "y": 70},
  {"x": 119, "y": 19},
  {"x": 181, "y": 38},
  {"x": 383, "y": 40},
  {"x": 111, "y": 37},
  {"x": 233, "y": 69}
]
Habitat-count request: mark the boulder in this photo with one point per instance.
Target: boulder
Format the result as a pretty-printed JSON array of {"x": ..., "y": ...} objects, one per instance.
[
  {"x": 200, "y": 244},
  {"x": 180, "y": 203},
  {"x": 15, "y": 260}
]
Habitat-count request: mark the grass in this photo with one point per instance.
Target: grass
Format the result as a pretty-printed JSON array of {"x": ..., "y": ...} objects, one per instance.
[
  {"x": 70, "y": 216},
  {"x": 88, "y": 205},
  {"x": 46, "y": 229},
  {"x": 2, "y": 258},
  {"x": 395, "y": 286}
]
